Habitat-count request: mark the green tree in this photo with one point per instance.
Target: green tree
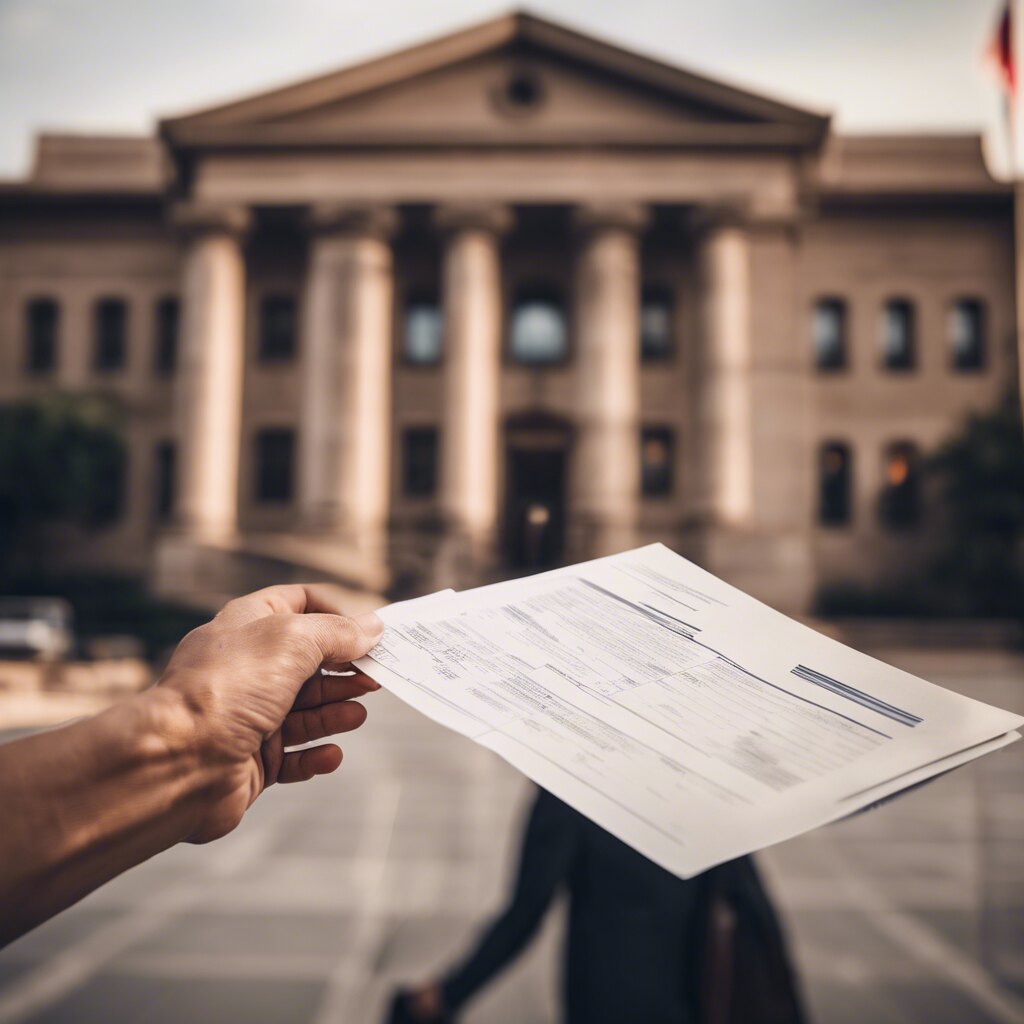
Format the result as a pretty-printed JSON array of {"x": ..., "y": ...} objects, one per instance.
[
  {"x": 62, "y": 459},
  {"x": 980, "y": 471}
]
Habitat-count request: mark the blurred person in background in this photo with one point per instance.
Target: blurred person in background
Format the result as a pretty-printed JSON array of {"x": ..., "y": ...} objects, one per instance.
[
  {"x": 183, "y": 761},
  {"x": 641, "y": 944}
]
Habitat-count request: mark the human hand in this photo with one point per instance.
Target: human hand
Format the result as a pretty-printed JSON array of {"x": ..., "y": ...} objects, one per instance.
[
  {"x": 426, "y": 1003},
  {"x": 248, "y": 684}
]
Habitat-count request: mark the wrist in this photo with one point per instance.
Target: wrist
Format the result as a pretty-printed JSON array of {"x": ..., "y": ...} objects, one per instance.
[
  {"x": 169, "y": 740},
  {"x": 169, "y": 728}
]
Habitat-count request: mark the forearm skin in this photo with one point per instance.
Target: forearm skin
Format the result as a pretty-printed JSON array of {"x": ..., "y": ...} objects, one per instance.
[{"x": 85, "y": 802}]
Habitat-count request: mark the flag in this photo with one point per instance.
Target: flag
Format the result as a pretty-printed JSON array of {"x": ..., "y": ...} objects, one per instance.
[
  {"x": 1001, "y": 52},
  {"x": 1001, "y": 56}
]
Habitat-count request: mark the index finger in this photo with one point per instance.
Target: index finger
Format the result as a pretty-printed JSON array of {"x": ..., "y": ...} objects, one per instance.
[{"x": 296, "y": 598}]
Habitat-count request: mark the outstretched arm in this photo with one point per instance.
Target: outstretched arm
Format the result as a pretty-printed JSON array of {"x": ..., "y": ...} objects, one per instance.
[
  {"x": 184, "y": 760},
  {"x": 549, "y": 845}
]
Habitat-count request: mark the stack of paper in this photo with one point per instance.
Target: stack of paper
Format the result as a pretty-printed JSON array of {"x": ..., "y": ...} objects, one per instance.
[{"x": 680, "y": 714}]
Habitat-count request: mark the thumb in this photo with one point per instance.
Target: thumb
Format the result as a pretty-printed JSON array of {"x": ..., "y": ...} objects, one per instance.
[{"x": 339, "y": 639}]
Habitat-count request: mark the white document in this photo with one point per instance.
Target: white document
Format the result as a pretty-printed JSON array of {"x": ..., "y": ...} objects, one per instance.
[{"x": 680, "y": 714}]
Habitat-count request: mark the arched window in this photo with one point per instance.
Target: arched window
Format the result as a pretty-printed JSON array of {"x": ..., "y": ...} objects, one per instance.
[
  {"x": 538, "y": 335},
  {"x": 110, "y": 347},
  {"x": 278, "y": 328},
  {"x": 899, "y": 345},
  {"x": 834, "y": 484},
  {"x": 422, "y": 335},
  {"x": 656, "y": 324},
  {"x": 42, "y": 323},
  {"x": 967, "y": 335},
  {"x": 900, "y": 503},
  {"x": 828, "y": 325}
]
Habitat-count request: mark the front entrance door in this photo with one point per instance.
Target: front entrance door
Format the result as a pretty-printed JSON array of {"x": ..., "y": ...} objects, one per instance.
[{"x": 536, "y": 466}]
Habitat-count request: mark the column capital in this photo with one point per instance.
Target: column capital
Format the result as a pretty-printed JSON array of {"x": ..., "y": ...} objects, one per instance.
[
  {"x": 621, "y": 216},
  {"x": 745, "y": 213},
  {"x": 352, "y": 219},
  {"x": 195, "y": 217},
  {"x": 493, "y": 217}
]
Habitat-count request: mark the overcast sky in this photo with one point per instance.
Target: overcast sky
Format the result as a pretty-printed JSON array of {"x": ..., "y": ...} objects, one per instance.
[{"x": 117, "y": 65}]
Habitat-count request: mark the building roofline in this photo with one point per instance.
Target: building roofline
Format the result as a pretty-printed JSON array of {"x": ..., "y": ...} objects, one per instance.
[{"x": 482, "y": 38}]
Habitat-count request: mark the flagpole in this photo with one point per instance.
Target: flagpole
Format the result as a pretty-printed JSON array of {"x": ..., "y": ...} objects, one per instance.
[{"x": 1017, "y": 39}]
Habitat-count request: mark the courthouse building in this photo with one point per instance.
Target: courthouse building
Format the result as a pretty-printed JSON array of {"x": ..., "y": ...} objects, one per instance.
[{"x": 507, "y": 298}]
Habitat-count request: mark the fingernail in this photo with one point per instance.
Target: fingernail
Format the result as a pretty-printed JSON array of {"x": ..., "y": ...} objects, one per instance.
[{"x": 370, "y": 623}]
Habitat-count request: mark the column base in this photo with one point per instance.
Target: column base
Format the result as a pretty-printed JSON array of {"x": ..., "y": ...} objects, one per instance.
[
  {"x": 775, "y": 568},
  {"x": 206, "y": 574},
  {"x": 595, "y": 536},
  {"x": 464, "y": 559}
]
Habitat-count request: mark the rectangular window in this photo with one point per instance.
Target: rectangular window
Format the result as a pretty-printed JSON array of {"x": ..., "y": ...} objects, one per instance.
[
  {"x": 111, "y": 328},
  {"x": 899, "y": 345},
  {"x": 967, "y": 335},
  {"x": 829, "y": 327},
  {"x": 422, "y": 331},
  {"x": 165, "y": 342},
  {"x": 657, "y": 453},
  {"x": 111, "y": 488},
  {"x": 900, "y": 500},
  {"x": 275, "y": 457},
  {"x": 834, "y": 484},
  {"x": 42, "y": 320},
  {"x": 656, "y": 325},
  {"x": 164, "y": 459},
  {"x": 278, "y": 328},
  {"x": 419, "y": 462}
]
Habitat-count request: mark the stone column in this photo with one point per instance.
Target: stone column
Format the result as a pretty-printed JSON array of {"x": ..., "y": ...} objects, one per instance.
[
  {"x": 604, "y": 499},
  {"x": 471, "y": 428},
  {"x": 208, "y": 396},
  {"x": 346, "y": 372},
  {"x": 723, "y": 396}
]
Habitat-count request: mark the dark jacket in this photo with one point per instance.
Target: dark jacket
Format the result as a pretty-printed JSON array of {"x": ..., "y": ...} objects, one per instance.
[{"x": 639, "y": 939}]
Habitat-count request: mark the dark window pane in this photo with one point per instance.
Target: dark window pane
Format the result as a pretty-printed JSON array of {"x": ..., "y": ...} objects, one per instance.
[
  {"x": 829, "y": 327},
  {"x": 900, "y": 504},
  {"x": 42, "y": 319},
  {"x": 537, "y": 332},
  {"x": 834, "y": 484},
  {"x": 419, "y": 462},
  {"x": 275, "y": 456},
  {"x": 111, "y": 479},
  {"x": 111, "y": 325},
  {"x": 164, "y": 459},
  {"x": 423, "y": 332},
  {"x": 165, "y": 344},
  {"x": 656, "y": 325},
  {"x": 656, "y": 461},
  {"x": 278, "y": 325},
  {"x": 967, "y": 334},
  {"x": 898, "y": 342}
]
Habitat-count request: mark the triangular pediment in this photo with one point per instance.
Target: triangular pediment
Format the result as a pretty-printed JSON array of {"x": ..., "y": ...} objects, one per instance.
[{"x": 515, "y": 80}]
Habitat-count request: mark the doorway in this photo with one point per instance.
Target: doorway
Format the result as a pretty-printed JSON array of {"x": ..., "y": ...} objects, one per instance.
[{"x": 536, "y": 461}]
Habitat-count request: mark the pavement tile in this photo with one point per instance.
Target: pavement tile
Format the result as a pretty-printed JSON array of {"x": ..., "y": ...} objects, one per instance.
[
  {"x": 258, "y": 933},
  {"x": 56, "y": 935},
  {"x": 384, "y": 871},
  {"x": 11, "y": 970},
  {"x": 128, "y": 999}
]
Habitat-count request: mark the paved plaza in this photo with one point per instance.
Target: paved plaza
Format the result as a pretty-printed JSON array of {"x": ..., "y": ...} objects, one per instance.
[{"x": 331, "y": 892}]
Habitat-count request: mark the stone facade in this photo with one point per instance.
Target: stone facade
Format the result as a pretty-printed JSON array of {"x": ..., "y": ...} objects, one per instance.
[{"x": 281, "y": 265}]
